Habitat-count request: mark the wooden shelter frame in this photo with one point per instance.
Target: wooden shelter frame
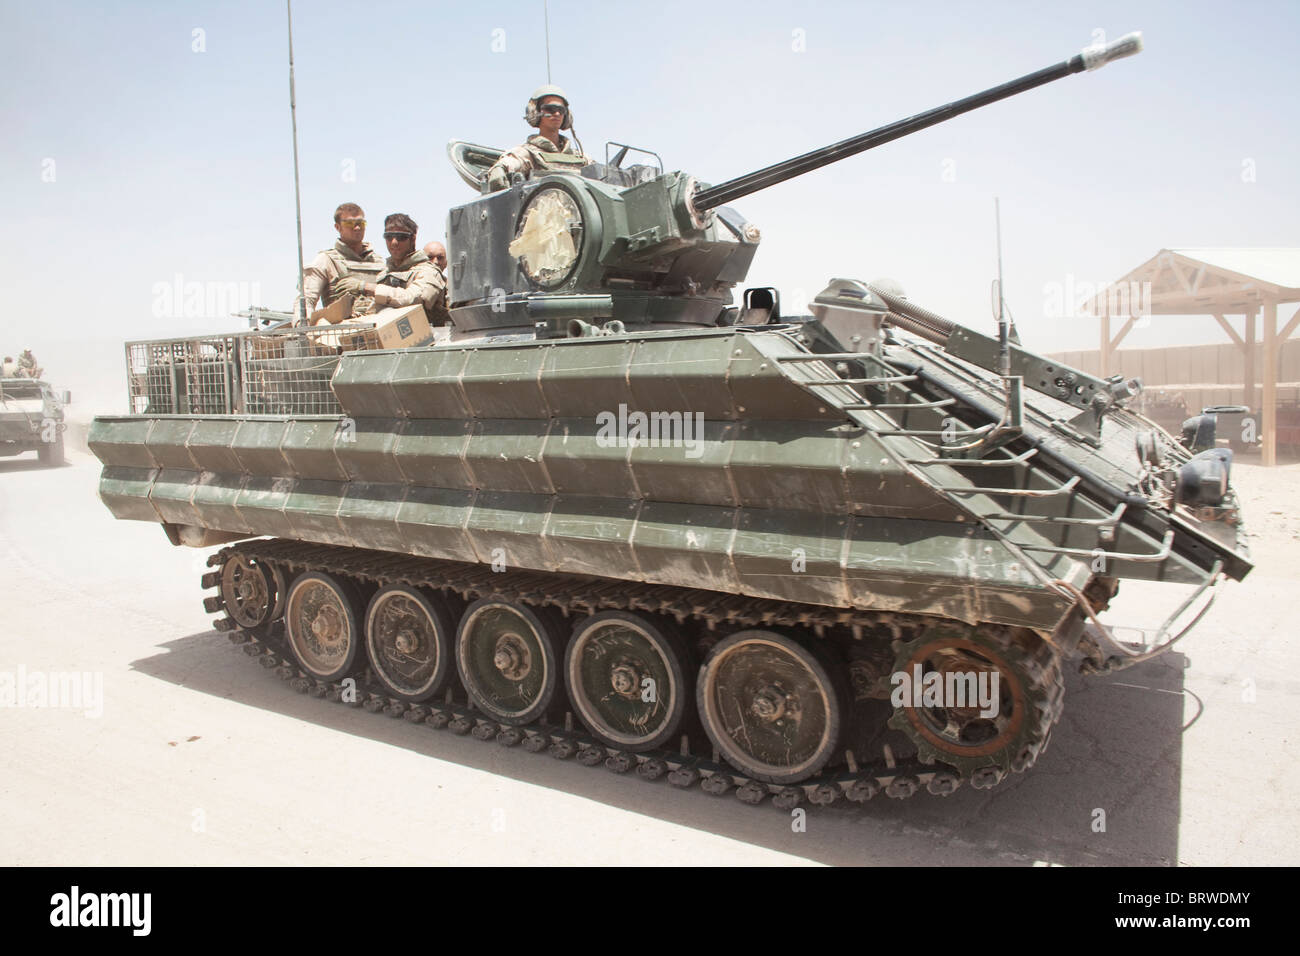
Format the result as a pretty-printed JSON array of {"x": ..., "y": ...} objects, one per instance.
[{"x": 1181, "y": 284}]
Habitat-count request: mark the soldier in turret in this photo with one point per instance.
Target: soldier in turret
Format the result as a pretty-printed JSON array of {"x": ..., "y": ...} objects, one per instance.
[
  {"x": 350, "y": 255},
  {"x": 408, "y": 277},
  {"x": 548, "y": 150},
  {"x": 27, "y": 365}
]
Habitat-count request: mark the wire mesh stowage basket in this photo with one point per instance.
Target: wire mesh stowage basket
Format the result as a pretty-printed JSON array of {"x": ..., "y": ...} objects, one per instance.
[{"x": 281, "y": 372}]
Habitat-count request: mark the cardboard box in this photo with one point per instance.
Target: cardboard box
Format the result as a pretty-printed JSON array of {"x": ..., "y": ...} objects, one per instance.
[
  {"x": 366, "y": 340},
  {"x": 332, "y": 314},
  {"x": 265, "y": 346},
  {"x": 403, "y": 328}
]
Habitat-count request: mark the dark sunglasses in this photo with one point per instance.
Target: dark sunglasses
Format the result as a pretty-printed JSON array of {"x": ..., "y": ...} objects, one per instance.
[
  {"x": 398, "y": 235},
  {"x": 553, "y": 108}
]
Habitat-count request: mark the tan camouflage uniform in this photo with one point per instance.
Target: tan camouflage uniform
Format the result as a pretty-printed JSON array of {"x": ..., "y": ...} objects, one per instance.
[
  {"x": 331, "y": 264},
  {"x": 532, "y": 154},
  {"x": 414, "y": 279}
]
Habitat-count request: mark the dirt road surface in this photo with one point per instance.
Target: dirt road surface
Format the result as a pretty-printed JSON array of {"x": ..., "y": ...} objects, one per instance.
[{"x": 201, "y": 757}]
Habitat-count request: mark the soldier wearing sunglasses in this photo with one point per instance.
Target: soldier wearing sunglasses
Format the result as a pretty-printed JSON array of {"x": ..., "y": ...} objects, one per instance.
[
  {"x": 350, "y": 256},
  {"x": 408, "y": 276},
  {"x": 548, "y": 150}
]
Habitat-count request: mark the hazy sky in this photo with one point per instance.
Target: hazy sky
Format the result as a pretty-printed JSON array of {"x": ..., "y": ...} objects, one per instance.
[{"x": 150, "y": 142}]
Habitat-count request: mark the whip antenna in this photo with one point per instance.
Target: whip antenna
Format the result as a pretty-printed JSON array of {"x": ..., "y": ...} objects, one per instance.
[
  {"x": 546, "y": 15},
  {"x": 1004, "y": 353},
  {"x": 297, "y": 196}
]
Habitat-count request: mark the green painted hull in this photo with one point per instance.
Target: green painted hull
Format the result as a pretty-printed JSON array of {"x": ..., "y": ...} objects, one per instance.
[{"x": 495, "y": 454}]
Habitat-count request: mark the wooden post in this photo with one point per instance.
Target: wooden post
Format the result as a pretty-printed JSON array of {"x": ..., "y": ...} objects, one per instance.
[
  {"x": 1250, "y": 362},
  {"x": 1268, "y": 403}
]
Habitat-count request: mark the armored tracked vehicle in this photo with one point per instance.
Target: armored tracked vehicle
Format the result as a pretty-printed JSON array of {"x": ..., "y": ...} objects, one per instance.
[
  {"x": 611, "y": 515},
  {"x": 31, "y": 419}
]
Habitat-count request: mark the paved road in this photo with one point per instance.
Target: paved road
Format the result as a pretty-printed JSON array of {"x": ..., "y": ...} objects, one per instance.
[{"x": 200, "y": 756}]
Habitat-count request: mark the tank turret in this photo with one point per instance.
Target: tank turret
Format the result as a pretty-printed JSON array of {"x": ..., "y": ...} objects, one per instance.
[
  {"x": 593, "y": 248},
  {"x": 641, "y": 249}
]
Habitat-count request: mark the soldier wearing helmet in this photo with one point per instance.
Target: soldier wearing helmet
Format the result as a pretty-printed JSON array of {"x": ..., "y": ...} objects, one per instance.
[
  {"x": 548, "y": 150},
  {"x": 27, "y": 366}
]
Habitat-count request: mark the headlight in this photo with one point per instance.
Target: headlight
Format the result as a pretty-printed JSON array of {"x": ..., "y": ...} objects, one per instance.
[
  {"x": 1198, "y": 433},
  {"x": 1204, "y": 480},
  {"x": 549, "y": 238}
]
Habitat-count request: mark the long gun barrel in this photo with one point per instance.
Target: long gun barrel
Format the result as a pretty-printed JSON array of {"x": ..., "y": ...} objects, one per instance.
[{"x": 1091, "y": 58}]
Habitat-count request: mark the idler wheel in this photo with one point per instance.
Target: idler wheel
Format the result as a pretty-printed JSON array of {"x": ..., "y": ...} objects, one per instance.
[
  {"x": 772, "y": 707},
  {"x": 959, "y": 663},
  {"x": 248, "y": 591},
  {"x": 627, "y": 678},
  {"x": 322, "y": 622},
  {"x": 508, "y": 656},
  {"x": 409, "y": 635}
]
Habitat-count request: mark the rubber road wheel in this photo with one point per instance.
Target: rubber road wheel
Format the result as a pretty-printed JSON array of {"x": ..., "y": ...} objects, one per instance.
[
  {"x": 627, "y": 678},
  {"x": 773, "y": 707},
  {"x": 409, "y": 636},
  {"x": 508, "y": 656},
  {"x": 323, "y": 625}
]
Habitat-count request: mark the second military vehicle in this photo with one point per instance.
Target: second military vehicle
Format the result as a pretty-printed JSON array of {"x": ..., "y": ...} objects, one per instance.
[{"x": 31, "y": 419}]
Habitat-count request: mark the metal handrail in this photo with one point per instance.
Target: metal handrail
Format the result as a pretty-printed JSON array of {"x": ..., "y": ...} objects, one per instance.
[
  {"x": 1166, "y": 547},
  {"x": 1064, "y": 489},
  {"x": 883, "y": 380},
  {"x": 1110, "y": 520},
  {"x": 825, "y": 357},
  {"x": 912, "y": 432},
  {"x": 865, "y": 381},
  {"x": 937, "y": 403},
  {"x": 1158, "y": 644},
  {"x": 975, "y": 462}
]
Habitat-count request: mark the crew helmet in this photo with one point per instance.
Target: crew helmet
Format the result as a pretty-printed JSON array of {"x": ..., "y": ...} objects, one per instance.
[{"x": 533, "y": 115}]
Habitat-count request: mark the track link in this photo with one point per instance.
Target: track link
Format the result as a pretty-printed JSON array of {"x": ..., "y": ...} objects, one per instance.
[{"x": 571, "y": 594}]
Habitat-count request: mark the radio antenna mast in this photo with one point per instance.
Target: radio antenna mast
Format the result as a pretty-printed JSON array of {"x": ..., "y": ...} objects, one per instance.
[
  {"x": 1004, "y": 354},
  {"x": 297, "y": 195},
  {"x": 546, "y": 15}
]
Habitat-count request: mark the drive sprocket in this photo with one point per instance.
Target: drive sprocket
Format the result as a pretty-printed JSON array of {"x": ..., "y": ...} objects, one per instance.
[{"x": 980, "y": 699}]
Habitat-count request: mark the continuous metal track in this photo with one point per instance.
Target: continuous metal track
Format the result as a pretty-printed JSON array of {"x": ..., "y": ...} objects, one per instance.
[{"x": 858, "y": 780}]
